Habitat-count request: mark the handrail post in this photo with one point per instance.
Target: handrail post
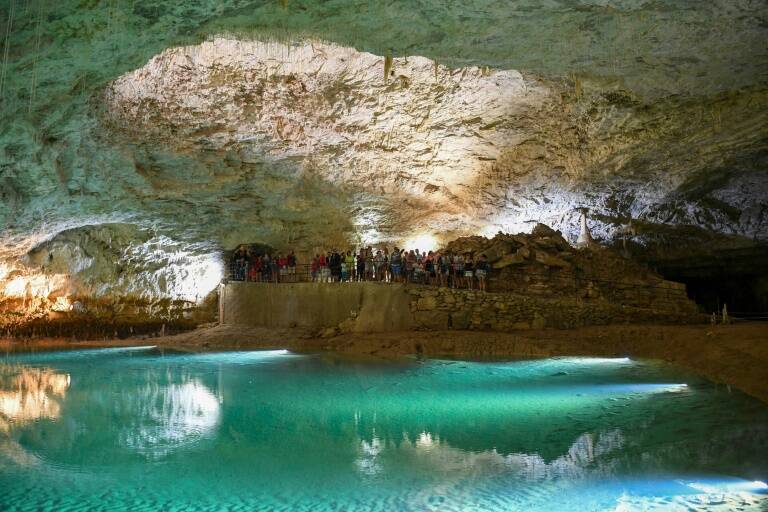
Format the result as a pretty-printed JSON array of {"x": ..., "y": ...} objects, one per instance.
[{"x": 222, "y": 289}]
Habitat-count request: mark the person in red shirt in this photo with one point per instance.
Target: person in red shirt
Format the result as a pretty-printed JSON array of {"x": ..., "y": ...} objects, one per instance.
[
  {"x": 282, "y": 264},
  {"x": 323, "y": 267},
  {"x": 315, "y": 267}
]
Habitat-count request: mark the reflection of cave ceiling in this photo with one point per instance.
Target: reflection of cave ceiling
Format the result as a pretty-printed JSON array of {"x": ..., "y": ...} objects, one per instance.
[{"x": 495, "y": 114}]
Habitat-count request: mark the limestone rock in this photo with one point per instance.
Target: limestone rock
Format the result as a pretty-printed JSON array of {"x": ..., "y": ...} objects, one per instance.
[
  {"x": 497, "y": 251},
  {"x": 433, "y": 320},
  {"x": 510, "y": 259},
  {"x": 550, "y": 260},
  {"x": 426, "y": 303},
  {"x": 538, "y": 322},
  {"x": 542, "y": 230},
  {"x": 460, "y": 319}
]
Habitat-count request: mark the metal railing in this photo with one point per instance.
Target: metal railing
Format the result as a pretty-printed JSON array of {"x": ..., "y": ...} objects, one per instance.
[{"x": 511, "y": 281}]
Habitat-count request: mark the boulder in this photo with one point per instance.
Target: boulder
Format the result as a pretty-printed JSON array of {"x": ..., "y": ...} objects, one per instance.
[
  {"x": 497, "y": 251},
  {"x": 432, "y": 320},
  {"x": 460, "y": 319},
  {"x": 538, "y": 321},
  {"x": 426, "y": 303},
  {"x": 550, "y": 260},
  {"x": 552, "y": 243},
  {"x": 510, "y": 259},
  {"x": 542, "y": 230}
]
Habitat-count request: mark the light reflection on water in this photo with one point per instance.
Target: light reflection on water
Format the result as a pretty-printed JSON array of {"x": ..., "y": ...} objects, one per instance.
[
  {"x": 160, "y": 418},
  {"x": 274, "y": 430},
  {"x": 28, "y": 394}
]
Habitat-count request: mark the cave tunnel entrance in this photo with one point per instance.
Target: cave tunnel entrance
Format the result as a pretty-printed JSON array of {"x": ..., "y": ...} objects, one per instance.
[{"x": 738, "y": 278}]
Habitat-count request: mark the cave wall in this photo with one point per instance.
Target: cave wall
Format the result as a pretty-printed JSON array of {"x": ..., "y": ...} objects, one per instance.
[{"x": 150, "y": 122}]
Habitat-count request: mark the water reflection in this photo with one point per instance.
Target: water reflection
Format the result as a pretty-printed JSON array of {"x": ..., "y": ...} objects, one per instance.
[
  {"x": 272, "y": 431},
  {"x": 163, "y": 410},
  {"x": 586, "y": 458},
  {"x": 589, "y": 473},
  {"x": 29, "y": 394},
  {"x": 163, "y": 417}
]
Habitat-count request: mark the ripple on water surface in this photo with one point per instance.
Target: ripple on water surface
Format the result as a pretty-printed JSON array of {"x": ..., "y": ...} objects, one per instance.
[{"x": 139, "y": 428}]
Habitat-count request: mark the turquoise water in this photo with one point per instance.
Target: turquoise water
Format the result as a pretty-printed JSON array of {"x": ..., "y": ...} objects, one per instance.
[{"x": 139, "y": 429}]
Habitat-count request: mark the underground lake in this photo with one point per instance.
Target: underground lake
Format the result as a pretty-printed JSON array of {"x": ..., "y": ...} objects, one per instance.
[{"x": 142, "y": 428}]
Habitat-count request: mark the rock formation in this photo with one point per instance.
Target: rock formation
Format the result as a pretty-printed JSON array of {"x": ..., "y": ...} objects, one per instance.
[
  {"x": 544, "y": 264},
  {"x": 585, "y": 237},
  {"x": 140, "y": 141}
]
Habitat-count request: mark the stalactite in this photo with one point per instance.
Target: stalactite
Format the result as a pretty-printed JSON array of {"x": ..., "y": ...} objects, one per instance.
[
  {"x": 388, "y": 63},
  {"x": 717, "y": 118},
  {"x": 577, "y": 87},
  {"x": 6, "y": 48},
  {"x": 38, "y": 38},
  {"x": 116, "y": 13},
  {"x": 109, "y": 18}
]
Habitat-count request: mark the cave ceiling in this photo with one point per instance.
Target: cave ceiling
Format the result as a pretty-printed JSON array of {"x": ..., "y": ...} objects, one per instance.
[{"x": 148, "y": 130}]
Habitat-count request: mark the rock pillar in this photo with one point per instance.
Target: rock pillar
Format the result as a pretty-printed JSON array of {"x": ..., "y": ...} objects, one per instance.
[{"x": 585, "y": 238}]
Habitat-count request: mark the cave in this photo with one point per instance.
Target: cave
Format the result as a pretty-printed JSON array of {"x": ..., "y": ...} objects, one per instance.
[{"x": 412, "y": 255}]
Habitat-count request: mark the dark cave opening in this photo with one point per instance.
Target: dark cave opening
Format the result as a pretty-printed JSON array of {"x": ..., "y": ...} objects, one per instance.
[{"x": 736, "y": 278}]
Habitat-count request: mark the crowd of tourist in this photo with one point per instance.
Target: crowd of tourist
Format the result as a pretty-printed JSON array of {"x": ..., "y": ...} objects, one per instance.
[
  {"x": 250, "y": 265},
  {"x": 398, "y": 266}
]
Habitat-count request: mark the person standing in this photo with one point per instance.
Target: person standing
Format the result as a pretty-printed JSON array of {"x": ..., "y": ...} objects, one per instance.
[
  {"x": 266, "y": 267},
  {"x": 369, "y": 264},
  {"x": 410, "y": 265},
  {"x": 314, "y": 268},
  {"x": 469, "y": 271},
  {"x": 395, "y": 262},
  {"x": 335, "y": 266},
  {"x": 350, "y": 261},
  {"x": 429, "y": 268},
  {"x": 282, "y": 265},
  {"x": 379, "y": 265},
  {"x": 458, "y": 271},
  {"x": 292, "y": 266},
  {"x": 275, "y": 267},
  {"x": 482, "y": 271},
  {"x": 361, "y": 264},
  {"x": 323, "y": 267},
  {"x": 239, "y": 264},
  {"x": 444, "y": 268},
  {"x": 254, "y": 273},
  {"x": 387, "y": 274}
]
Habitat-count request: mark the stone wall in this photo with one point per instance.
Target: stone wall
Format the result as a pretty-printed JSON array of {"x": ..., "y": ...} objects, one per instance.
[
  {"x": 444, "y": 308},
  {"x": 376, "y": 307}
]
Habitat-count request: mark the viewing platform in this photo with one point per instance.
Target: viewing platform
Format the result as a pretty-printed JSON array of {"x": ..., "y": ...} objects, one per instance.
[{"x": 382, "y": 307}]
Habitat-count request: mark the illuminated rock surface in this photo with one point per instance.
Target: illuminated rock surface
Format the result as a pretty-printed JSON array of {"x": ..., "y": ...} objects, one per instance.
[{"x": 494, "y": 116}]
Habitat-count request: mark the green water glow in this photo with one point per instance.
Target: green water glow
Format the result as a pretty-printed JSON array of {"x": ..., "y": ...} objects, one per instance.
[{"x": 142, "y": 429}]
